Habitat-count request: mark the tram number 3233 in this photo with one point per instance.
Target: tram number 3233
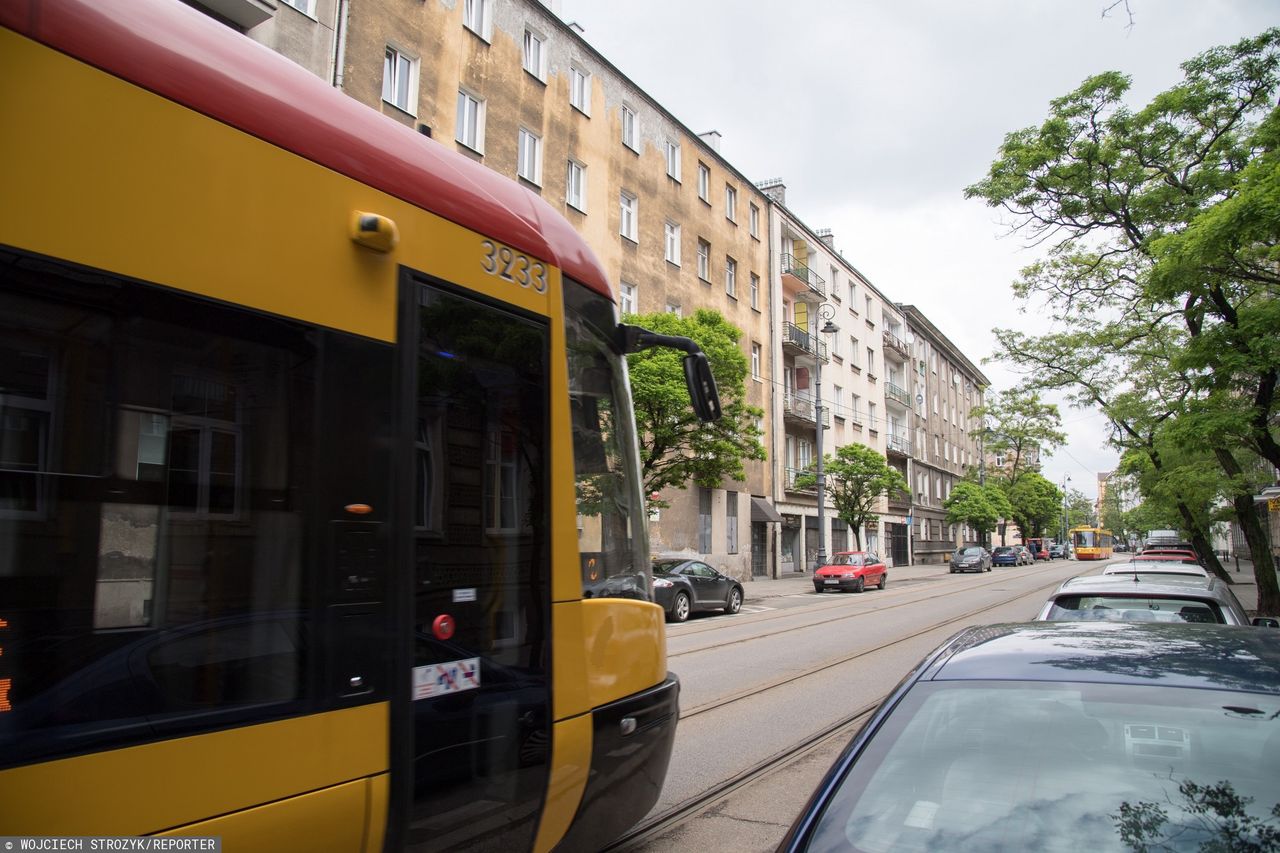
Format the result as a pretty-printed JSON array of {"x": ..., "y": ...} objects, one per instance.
[{"x": 509, "y": 265}]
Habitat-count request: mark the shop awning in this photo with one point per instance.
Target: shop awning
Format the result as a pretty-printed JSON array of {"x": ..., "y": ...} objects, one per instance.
[{"x": 762, "y": 510}]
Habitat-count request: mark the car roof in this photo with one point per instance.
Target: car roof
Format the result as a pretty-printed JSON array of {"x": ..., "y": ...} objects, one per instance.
[
  {"x": 845, "y": 553},
  {"x": 1219, "y": 657},
  {"x": 1168, "y": 567}
]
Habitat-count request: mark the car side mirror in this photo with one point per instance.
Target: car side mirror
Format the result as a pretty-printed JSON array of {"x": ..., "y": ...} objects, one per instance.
[{"x": 1266, "y": 622}]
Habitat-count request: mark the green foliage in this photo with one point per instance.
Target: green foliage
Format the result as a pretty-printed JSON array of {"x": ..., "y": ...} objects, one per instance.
[
  {"x": 855, "y": 480},
  {"x": 1015, "y": 424},
  {"x": 1036, "y": 504},
  {"x": 675, "y": 447},
  {"x": 1160, "y": 229},
  {"x": 1080, "y": 510},
  {"x": 979, "y": 506}
]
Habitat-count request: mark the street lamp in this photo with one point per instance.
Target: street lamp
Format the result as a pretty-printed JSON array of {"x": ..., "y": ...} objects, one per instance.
[
  {"x": 825, "y": 312},
  {"x": 1066, "y": 478}
]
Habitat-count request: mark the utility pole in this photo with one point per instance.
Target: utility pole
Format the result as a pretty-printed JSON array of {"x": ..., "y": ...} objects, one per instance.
[{"x": 825, "y": 312}]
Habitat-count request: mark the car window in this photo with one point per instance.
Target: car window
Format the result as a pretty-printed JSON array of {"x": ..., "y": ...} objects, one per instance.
[
  {"x": 1124, "y": 608},
  {"x": 700, "y": 570},
  {"x": 1021, "y": 766}
]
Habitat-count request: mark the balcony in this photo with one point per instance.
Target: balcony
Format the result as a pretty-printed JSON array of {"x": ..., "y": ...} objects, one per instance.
[
  {"x": 901, "y": 445},
  {"x": 798, "y": 279},
  {"x": 897, "y": 394},
  {"x": 798, "y": 341},
  {"x": 896, "y": 347},
  {"x": 800, "y": 409},
  {"x": 792, "y": 474},
  {"x": 900, "y": 501}
]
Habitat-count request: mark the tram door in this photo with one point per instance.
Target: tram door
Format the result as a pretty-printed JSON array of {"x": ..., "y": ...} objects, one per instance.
[{"x": 481, "y": 697}]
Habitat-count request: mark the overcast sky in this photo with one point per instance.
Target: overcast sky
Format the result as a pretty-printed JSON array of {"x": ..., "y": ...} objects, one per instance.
[{"x": 878, "y": 114}]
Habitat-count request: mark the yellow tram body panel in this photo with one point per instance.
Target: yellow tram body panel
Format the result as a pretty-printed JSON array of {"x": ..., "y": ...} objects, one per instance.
[{"x": 133, "y": 791}]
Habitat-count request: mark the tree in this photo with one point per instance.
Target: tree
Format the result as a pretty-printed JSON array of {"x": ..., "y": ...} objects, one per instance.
[
  {"x": 676, "y": 448},
  {"x": 855, "y": 480},
  {"x": 1015, "y": 424},
  {"x": 1162, "y": 220},
  {"x": 1036, "y": 504},
  {"x": 1080, "y": 510},
  {"x": 979, "y": 506}
]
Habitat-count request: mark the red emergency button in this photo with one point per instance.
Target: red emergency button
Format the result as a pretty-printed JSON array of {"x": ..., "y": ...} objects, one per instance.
[{"x": 443, "y": 626}]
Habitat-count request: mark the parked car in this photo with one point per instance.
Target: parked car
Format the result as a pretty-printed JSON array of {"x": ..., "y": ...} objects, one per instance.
[
  {"x": 1025, "y": 557},
  {"x": 1063, "y": 736},
  {"x": 975, "y": 558},
  {"x": 1006, "y": 555},
  {"x": 682, "y": 587},
  {"x": 1150, "y": 598},
  {"x": 1057, "y": 551},
  {"x": 851, "y": 571},
  {"x": 1183, "y": 553},
  {"x": 1154, "y": 567}
]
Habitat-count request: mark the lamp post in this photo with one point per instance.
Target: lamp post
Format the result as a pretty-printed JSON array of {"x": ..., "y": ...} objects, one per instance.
[
  {"x": 825, "y": 312},
  {"x": 1066, "y": 478}
]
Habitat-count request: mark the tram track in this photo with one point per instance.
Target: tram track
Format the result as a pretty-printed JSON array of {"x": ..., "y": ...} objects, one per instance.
[
  {"x": 995, "y": 581},
  {"x": 669, "y": 818},
  {"x": 690, "y": 808}
]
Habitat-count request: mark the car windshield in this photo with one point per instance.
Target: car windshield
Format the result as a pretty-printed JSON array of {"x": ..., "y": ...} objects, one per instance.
[
  {"x": 1133, "y": 608},
  {"x": 969, "y": 552},
  {"x": 846, "y": 560},
  {"x": 1058, "y": 767},
  {"x": 1004, "y": 549},
  {"x": 665, "y": 567}
]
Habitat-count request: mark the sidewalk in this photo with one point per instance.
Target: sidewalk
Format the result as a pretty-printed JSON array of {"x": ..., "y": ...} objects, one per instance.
[{"x": 1244, "y": 585}]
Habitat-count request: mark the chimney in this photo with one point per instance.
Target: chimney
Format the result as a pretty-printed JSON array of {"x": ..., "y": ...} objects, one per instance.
[
  {"x": 775, "y": 189},
  {"x": 825, "y": 235},
  {"x": 712, "y": 138},
  {"x": 576, "y": 27}
]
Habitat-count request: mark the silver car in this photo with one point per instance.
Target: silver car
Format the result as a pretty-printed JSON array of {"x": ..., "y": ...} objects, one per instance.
[
  {"x": 1135, "y": 598},
  {"x": 1155, "y": 568}
]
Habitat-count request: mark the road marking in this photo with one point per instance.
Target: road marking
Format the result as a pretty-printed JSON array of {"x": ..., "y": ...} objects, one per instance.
[{"x": 755, "y": 608}]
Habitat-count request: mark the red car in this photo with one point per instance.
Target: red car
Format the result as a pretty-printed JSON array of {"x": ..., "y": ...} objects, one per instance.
[
  {"x": 851, "y": 571},
  {"x": 1038, "y": 548}
]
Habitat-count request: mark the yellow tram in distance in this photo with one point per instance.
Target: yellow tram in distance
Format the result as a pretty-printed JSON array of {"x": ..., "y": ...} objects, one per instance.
[
  {"x": 1091, "y": 543},
  {"x": 298, "y": 411}
]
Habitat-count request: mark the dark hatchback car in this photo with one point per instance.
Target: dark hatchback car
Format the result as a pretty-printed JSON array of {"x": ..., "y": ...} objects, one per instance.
[
  {"x": 972, "y": 559},
  {"x": 1064, "y": 736},
  {"x": 1006, "y": 555},
  {"x": 682, "y": 587}
]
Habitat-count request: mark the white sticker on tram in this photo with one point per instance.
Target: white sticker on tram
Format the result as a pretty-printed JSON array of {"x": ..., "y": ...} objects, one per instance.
[
  {"x": 464, "y": 595},
  {"x": 437, "y": 679}
]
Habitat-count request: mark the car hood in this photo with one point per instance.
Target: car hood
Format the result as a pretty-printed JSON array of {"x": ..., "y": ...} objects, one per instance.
[{"x": 827, "y": 571}]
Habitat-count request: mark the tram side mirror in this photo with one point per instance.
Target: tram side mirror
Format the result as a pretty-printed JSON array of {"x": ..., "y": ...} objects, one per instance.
[{"x": 703, "y": 394}]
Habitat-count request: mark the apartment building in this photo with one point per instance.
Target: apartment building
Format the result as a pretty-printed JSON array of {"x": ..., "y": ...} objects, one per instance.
[
  {"x": 830, "y": 387},
  {"x": 945, "y": 387},
  {"x": 305, "y": 31}
]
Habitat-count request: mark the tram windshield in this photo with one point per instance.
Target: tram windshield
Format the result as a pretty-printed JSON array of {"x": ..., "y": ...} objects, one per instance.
[{"x": 613, "y": 534}]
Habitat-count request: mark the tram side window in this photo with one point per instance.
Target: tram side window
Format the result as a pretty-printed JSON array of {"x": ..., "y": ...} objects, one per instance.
[{"x": 154, "y": 447}]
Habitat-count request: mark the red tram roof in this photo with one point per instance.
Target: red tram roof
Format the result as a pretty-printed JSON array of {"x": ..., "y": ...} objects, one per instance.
[{"x": 182, "y": 54}]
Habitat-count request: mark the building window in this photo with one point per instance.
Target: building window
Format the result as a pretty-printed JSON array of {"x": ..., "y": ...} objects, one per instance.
[
  {"x": 575, "y": 194},
  {"x": 853, "y": 293},
  {"x": 755, "y": 361},
  {"x": 671, "y": 237},
  {"x": 306, "y": 7},
  {"x": 853, "y": 351},
  {"x": 755, "y": 291},
  {"x": 627, "y": 298},
  {"x": 535, "y": 55},
  {"x": 470, "y": 127},
  {"x": 501, "y": 487},
  {"x": 838, "y": 402},
  {"x": 731, "y": 522},
  {"x": 868, "y": 317},
  {"x": 674, "y": 308},
  {"x": 704, "y": 260},
  {"x": 835, "y": 346},
  {"x": 627, "y": 210},
  {"x": 704, "y": 183},
  {"x": 704, "y": 520},
  {"x": 529, "y": 157},
  {"x": 871, "y": 416},
  {"x": 671, "y": 150},
  {"x": 731, "y": 276},
  {"x": 630, "y": 128},
  {"x": 753, "y": 220},
  {"x": 580, "y": 90},
  {"x": 855, "y": 408},
  {"x": 400, "y": 80},
  {"x": 730, "y": 203},
  {"x": 475, "y": 17},
  {"x": 871, "y": 361}
]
